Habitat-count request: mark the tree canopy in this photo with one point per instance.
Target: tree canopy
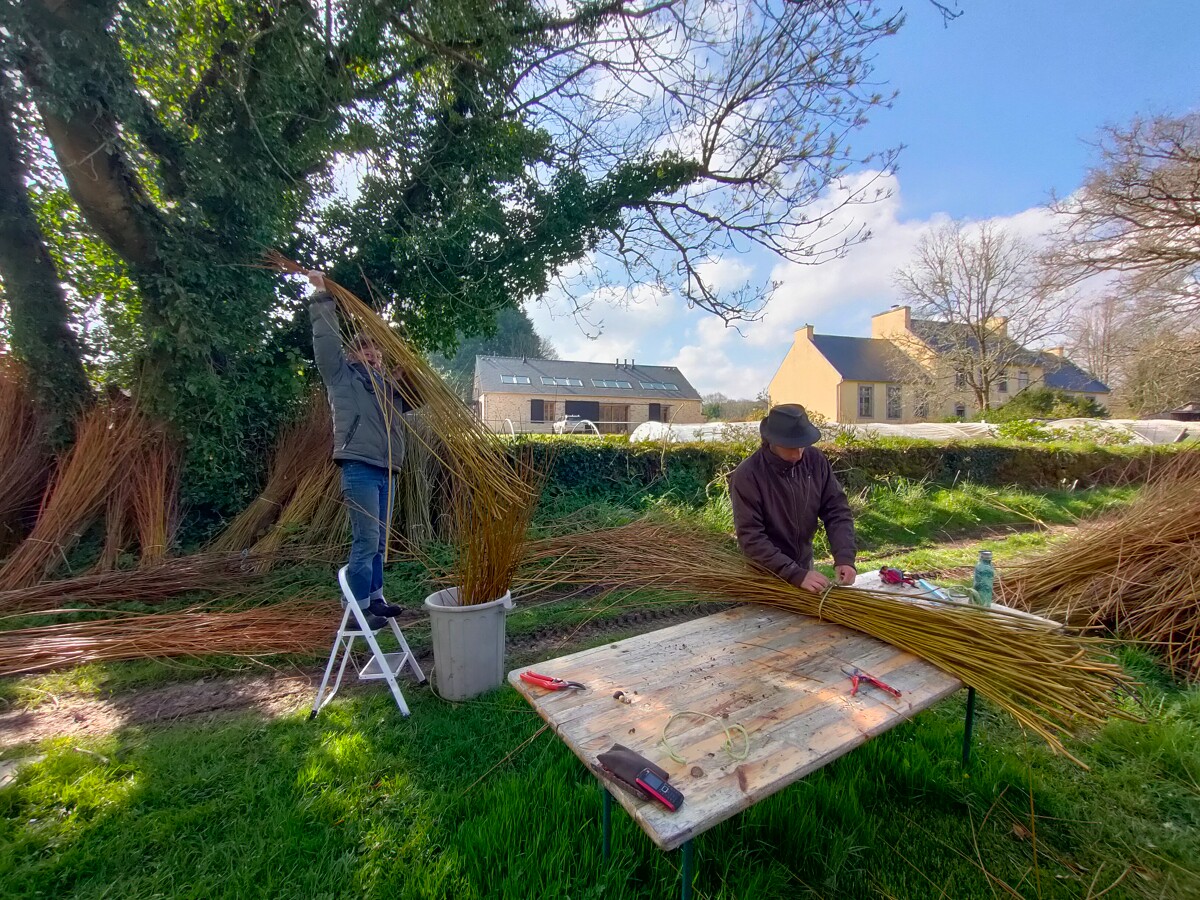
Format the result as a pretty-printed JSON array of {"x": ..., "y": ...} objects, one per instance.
[{"x": 449, "y": 159}]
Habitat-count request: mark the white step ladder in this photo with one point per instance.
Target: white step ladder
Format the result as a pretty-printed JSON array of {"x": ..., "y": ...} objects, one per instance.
[{"x": 382, "y": 665}]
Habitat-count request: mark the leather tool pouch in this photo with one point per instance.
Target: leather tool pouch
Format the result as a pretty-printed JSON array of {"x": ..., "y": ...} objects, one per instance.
[{"x": 624, "y": 765}]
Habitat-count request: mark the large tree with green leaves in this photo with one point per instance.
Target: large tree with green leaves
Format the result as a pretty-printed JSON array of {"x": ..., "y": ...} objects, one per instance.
[{"x": 452, "y": 159}]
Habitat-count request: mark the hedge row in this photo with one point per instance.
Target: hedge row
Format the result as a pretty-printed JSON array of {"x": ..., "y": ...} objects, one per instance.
[{"x": 611, "y": 467}]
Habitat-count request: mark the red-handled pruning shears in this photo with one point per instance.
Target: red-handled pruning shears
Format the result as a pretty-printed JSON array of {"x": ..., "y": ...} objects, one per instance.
[
  {"x": 857, "y": 675},
  {"x": 892, "y": 575},
  {"x": 550, "y": 683}
]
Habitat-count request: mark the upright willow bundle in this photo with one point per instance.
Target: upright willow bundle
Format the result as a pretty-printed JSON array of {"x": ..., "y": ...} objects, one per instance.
[
  {"x": 311, "y": 494},
  {"x": 155, "y": 493},
  {"x": 1136, "y": 572},
  {"x": 24, "y": 457},
  {"x": 301, "y": 447},
  {"x": 105, "y": 443},
  {"x": 297, "y": 626},
  {"x": 416, "y": 490},
  {"x": 502, "y": 491},
  {"x": 1047, "y": 679}
]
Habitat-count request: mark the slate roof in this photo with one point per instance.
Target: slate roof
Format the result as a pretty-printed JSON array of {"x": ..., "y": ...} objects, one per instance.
[
  {"x": 1060, "y": 374},
  {"x": 1064, "y": 375},
  {"x": 863, "y": 359},
  {"x": 489, "y": 369}
]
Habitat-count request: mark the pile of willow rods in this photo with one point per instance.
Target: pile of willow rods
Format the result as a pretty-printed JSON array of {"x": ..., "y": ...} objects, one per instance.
[
  {"x": 1135, "y": 573},
  {"x": 107, "y": 439},
  {"x": 24, "y": 457},
  {"x": 1049, "y": 680},
  {"x": 299, "y": 625},
  {"x": 224, "y": 574}
]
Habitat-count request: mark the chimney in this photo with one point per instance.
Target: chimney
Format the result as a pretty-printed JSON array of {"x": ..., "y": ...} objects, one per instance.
[
  {"x": 896, "y": 320},
  {"x": 1060, "y": 352},
  {"x": 805, "y": 333}
]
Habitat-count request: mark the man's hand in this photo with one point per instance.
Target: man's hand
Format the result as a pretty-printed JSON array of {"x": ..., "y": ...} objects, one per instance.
[
  {"x": 316, "y": 279},
  {"x": 814, "y": 581},
  {"x": 845, "y": 575}
]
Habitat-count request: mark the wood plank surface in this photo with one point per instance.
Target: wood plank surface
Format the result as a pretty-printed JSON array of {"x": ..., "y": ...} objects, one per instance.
[{"x": 778, "y": 674}]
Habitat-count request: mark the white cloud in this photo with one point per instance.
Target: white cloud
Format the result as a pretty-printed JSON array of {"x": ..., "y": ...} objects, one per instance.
[{"x": 838, "y": 297}]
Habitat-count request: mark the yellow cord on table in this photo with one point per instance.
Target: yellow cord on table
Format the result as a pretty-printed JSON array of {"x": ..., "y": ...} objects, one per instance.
[{"x": 729, "y": 729}]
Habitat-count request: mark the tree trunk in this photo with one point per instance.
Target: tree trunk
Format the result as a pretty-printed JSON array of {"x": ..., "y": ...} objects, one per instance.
[{"x": 41, "y": 335}]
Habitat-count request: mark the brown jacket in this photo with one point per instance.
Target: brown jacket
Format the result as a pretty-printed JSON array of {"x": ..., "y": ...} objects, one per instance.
[{"x": 776, "y": 506}]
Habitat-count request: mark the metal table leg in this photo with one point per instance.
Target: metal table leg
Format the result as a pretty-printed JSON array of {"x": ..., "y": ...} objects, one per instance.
[
  {"x": 607, "y": 819},
  {"x": 968, "y": 727},
  {"x": 688, "y": 863}
]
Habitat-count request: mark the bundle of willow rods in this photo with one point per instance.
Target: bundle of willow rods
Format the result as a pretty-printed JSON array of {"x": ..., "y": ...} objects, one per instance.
[
  {"x": 300, "y": 447},
  {"x": 1047, "y": 679},
  {"x": 1136, "y": 573},
  {"x": 24, "y": 457},
  {"x": 297, "y": 626},
  {"x": 502, "y": 488},
  {"x": 155, "y": 491},
  {"x": 223, "y": 574},
  {"x": 105, "y": 442}
]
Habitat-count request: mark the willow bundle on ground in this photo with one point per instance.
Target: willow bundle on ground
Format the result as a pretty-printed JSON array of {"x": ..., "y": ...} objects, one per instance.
[
  {"x": 1136, "y": 573},
  {"x": 24, "y": 458},
  {"x": 300, "y": 625},
  {"x": 301, "y": 447},
  {"x": 155, "y": 491},
  {"x": 227, "y": 574},
  {"x": 502, "y": 490},
  {"x": 1047, "y": 679},
  {"x": 106, "y": 440}
]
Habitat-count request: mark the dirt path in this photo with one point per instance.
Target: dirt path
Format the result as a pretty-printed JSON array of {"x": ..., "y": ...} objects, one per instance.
[{"x": 278, "y": 694}]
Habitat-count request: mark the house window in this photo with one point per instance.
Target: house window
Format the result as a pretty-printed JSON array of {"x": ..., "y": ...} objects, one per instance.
[
  {"x": 894, "y": 410},
  {"x": 541, "y": 410},
  {"x": 610, "y": 383},
  {"x": 1002, "y": 384},
  {"x": 1022, "y": 380},
  {"x": 515, "y": 379},
  {"x": 866, "y": 398},
  {"x": 960, "y": 410},
  {"x": 655, "y": 414},
  {"x": 658, "y": 386},
  {"x": 960, "y": 379},
  {"x": 921, "y": 411},
  {"x": 666, "y": 413},
  {"x": 561, "y": 382}
]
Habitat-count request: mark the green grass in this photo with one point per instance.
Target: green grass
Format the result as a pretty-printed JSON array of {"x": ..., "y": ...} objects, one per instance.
[{"x": 365, "y": 803}]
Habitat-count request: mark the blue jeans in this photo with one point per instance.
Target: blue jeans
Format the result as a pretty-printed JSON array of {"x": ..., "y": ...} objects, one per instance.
[{"x": 367, "y": 492}]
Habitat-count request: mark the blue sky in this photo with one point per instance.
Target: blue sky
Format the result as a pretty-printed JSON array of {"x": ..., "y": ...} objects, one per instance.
[{"x": 997, "y": 110}]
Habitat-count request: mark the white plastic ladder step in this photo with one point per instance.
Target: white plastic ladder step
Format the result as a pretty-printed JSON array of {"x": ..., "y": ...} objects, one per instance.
[{"x": 381, "y": 666}]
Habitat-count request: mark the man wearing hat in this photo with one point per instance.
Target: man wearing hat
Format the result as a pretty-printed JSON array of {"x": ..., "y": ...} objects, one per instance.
[{"x": 780, "y": 492}]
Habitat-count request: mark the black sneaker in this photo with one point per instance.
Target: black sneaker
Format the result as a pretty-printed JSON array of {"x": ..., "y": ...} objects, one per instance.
[
  {"x": 375, "y": 623},
  {"x": 381, "y": 607}
]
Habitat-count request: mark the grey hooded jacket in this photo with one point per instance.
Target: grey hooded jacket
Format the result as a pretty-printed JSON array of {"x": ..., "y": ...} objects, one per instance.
[{"x": 360, "y": 429}]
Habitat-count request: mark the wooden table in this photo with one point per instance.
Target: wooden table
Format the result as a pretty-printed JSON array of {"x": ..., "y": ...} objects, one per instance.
[{"x": 779, "y": 674}]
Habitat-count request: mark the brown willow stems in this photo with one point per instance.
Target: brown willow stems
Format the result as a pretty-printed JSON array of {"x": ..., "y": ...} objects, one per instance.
[
  {"x": 106, "y": 441},
  {"x": 295, "y": 626},
  {"x": 24, "y": 457},
  {"x": 1047, "y": 679},
  {"x": 1136, "y": 573}
]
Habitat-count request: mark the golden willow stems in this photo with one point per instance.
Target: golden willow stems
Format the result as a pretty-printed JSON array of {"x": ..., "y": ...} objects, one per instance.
[
  {"x": 1047, "y": 679},
  {"x": 495, "y": 490}
]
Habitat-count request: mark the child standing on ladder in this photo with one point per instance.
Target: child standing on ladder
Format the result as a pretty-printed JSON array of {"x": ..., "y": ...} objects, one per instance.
[{"x": 368, "y": 444}]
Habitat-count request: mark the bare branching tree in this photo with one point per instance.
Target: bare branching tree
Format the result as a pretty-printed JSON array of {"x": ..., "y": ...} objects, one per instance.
[
  {"x": 1138, "y": 213},
  {"x": 979, "y": 299}
]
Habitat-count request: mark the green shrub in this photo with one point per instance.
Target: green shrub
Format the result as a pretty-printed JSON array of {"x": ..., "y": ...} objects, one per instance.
[{"x": 1044, "y": 403}]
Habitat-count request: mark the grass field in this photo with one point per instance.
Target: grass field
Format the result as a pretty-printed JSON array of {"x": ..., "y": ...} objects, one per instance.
[{"x": 470, "y": 801}]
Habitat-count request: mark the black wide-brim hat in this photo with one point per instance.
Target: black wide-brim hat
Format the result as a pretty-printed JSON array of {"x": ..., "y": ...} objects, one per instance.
[{"x": 788, "y": 425}]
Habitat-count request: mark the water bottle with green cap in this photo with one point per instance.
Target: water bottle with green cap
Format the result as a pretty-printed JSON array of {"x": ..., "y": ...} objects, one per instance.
[{"x": 985, "y": 579}]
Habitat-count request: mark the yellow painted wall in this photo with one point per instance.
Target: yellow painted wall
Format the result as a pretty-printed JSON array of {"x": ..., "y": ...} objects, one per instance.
[{"x": 806, "y": 377}]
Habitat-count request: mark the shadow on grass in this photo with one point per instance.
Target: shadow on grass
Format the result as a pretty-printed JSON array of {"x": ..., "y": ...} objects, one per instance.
[{"x": 365, "y": 803}]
